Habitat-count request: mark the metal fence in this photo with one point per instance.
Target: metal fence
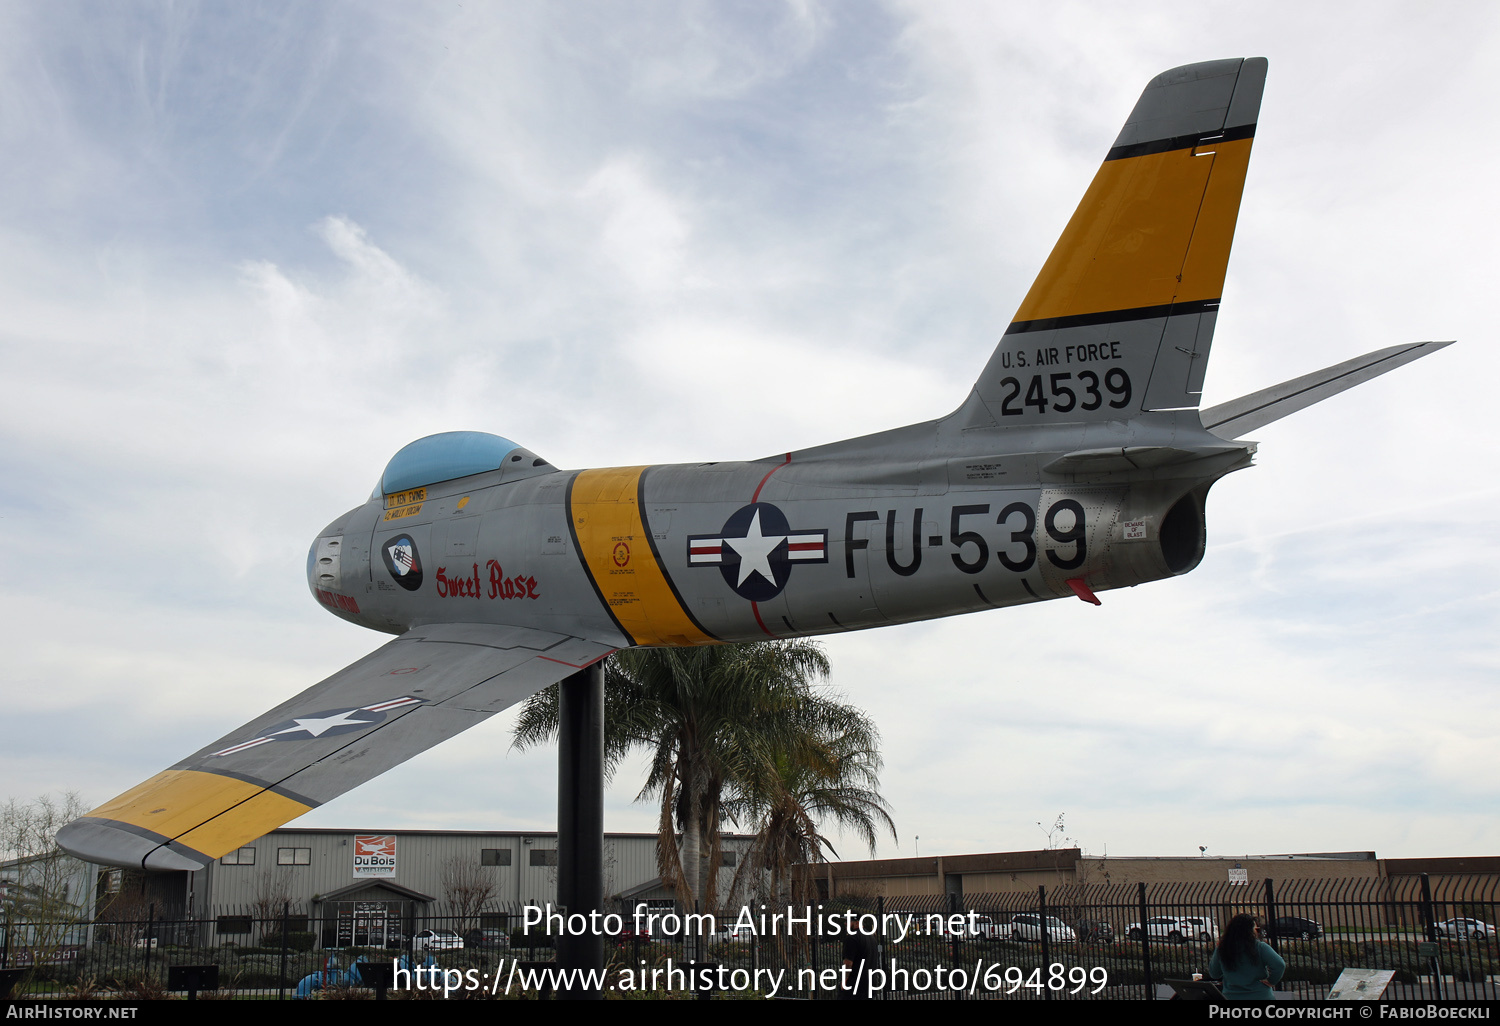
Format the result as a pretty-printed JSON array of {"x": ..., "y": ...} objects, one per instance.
[
  {"x": 1065, "y": 943},
  {"x": 1436, "y": 935}
]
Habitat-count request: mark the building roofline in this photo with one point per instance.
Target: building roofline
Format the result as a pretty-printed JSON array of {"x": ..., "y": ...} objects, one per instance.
[
  {"x": 1337, "y": 856},
  {"x": 1044, "y": 860},
  {"x": 1455, "y": 865},
  {"x": 622, "y": 835}
]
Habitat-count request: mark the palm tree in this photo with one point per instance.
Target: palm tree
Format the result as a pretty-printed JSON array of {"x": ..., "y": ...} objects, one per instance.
[
  {"x": 715, "y": 719},
  {"x": 836, "y": 780}
]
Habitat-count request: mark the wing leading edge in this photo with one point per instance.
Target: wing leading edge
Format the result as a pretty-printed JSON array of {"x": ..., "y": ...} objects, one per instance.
[{"x": 402, "y": 699}]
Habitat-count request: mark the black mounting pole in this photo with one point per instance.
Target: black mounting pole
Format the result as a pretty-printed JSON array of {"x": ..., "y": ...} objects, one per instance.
[{"x": 580, "y": 819}]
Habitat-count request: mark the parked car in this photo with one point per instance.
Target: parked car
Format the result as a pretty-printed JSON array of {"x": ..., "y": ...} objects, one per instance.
[
  {"x": 487, "y": 937},
  {"x": 986, "y": 927},
  {"x": 1293, "y": 926},
  {"x": 1204, "y": 927},
  {"x": 437, "y": 940},
  {"x": 1027, "y": 926},
  {"x": 1094, "y": 931},
  {"x": 1476, "y": 929},
  {"x": 1176, "y": 929},
  {"x": 974, "y": 926}
]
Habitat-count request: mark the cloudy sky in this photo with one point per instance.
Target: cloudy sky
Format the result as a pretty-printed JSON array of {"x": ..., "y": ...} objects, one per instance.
[{"x": 248, "y": 251}]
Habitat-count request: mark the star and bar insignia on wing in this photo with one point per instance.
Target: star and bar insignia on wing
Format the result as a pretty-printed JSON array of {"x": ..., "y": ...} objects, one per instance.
[
  {"x": 327, "y": 723},
  {"x": 756, "y": 550}
]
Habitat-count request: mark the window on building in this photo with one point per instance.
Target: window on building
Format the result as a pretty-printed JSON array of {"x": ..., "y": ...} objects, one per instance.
[
  {"x": 494, "y": 856},
  {"x": 230, "y": 925},
  {"x": 239, "y": 857},
  {"x": 728, "y": 858},
  {"x": 294, "y": 856},
  {"x": 544, "y": 856}
]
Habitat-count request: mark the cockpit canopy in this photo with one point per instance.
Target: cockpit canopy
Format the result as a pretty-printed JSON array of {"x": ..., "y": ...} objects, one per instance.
[{"x": 455, "y": 454}]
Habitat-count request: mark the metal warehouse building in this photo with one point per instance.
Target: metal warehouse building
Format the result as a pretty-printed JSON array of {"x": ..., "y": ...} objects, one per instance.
[{"x": 396, "y": 877}]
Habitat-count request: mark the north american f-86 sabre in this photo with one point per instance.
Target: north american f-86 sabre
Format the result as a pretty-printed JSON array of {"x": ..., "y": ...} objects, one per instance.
[{"x": 1079, "y": 462}]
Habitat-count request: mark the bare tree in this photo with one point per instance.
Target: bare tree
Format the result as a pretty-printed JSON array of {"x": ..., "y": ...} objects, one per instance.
[
  {"x": 40, "y": 884},
  {"x": 610, "y": 864},
  {"x": 272, "y": 897},
  {"x": 1056, "y": 834},
  {"x": 126, "y": 906},
  {"x": 467, "y": 888}
]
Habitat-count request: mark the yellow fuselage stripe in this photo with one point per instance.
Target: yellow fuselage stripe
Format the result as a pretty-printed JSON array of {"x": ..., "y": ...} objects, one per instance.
[
  {"x": 605, "y": 512},
  {"x": 1151, "y": 230},
  {"x": 209, "y": 813}
]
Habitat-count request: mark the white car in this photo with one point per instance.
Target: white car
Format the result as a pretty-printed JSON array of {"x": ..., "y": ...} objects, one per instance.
[
  {"x": 1477, "y": 929},
  {"x": 437, "y": 940},
  {"x": 1207, "y": 929},
  {"x": 1027, "y": 926},
  {"x": 1176, "y": 929}
]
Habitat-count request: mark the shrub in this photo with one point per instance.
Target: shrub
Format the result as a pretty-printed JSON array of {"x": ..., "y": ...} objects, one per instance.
[{"x": 301, "y": 940}]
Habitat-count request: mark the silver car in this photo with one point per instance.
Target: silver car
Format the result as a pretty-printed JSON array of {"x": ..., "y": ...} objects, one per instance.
[{"x": 1027, "y": 926}]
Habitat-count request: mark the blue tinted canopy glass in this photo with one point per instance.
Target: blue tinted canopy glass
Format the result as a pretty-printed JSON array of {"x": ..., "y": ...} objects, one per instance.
[{"x": 444, "y": 457}]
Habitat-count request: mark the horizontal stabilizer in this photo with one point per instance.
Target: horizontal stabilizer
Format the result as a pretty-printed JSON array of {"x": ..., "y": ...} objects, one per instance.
[{"x": 1239, "y": 417}]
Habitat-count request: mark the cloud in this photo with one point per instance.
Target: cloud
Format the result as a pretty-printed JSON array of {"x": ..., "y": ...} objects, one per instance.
[{"x": 245, "y": 256}]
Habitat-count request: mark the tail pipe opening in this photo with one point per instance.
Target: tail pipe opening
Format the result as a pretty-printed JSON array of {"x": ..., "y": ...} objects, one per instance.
[{"x": 1184, "y": 532}]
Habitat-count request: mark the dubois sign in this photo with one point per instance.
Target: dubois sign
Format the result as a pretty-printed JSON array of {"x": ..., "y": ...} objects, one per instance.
[{"x": 374, "y": 855}]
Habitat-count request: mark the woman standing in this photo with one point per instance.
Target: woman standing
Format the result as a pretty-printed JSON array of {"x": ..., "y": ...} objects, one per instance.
[{"x": 1247, "y": 965}]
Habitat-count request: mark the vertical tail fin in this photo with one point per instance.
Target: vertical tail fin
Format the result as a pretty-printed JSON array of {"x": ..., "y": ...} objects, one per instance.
[{"x": 1121, "y": 317}]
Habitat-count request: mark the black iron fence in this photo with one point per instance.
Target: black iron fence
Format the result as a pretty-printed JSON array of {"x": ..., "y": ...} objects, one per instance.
[{"x": 1438, "y": 937}]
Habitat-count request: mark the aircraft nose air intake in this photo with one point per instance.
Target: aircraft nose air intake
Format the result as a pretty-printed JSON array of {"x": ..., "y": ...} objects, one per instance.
[
  {"x": 323, "y": 563},
  {"x": 326, "y": 572}
]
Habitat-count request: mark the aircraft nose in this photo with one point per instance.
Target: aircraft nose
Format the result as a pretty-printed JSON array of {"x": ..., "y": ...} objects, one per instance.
[{"x": 323, "y": 564}]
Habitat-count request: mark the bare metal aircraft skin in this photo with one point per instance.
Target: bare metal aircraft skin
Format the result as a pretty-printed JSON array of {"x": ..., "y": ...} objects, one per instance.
[{"x": 1078, "y": 463}]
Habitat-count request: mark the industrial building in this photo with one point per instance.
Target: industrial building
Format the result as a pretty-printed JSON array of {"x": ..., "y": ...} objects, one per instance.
[{"x": 1005, "y": 872}]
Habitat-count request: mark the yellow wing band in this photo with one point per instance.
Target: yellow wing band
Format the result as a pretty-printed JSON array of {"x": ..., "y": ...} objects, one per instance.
[
  {"x": 188, "y": 806},
  {"x": 616, "y": 549}
]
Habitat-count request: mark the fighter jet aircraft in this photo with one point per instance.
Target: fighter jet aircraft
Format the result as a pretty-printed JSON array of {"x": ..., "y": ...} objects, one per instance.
[{"x": 1079, "y": 462}]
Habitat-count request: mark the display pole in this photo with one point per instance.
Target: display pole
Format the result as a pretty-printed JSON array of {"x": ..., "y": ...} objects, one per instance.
[{"x": 580, "y": 821}]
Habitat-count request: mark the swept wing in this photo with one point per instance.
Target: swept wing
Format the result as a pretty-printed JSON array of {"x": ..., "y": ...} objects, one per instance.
[{"x": 400, "y": 700}]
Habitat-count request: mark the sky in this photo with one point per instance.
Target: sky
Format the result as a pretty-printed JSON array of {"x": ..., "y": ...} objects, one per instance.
[{"x": 249, "y": 251}]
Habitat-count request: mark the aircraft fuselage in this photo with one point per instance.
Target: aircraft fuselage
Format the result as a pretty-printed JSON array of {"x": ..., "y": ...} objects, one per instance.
[{"x": 745, "y": 551}]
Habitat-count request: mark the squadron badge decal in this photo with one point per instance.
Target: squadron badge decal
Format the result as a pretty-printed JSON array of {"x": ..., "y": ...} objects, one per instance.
[
  {"x": 756, "y": 549},
  {"x": 402, "y": 561}
]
